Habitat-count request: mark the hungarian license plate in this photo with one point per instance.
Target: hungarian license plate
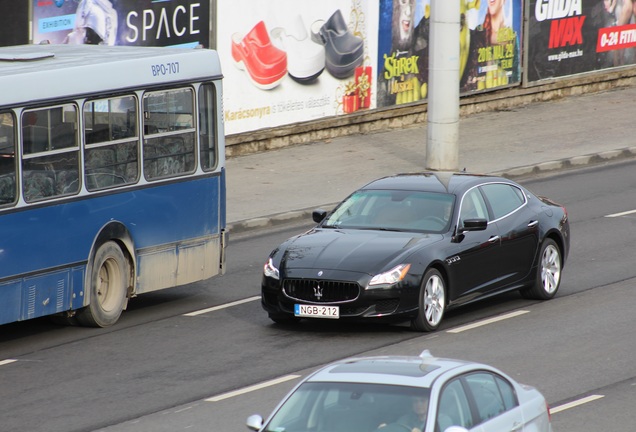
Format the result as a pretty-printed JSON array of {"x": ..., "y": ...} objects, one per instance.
[{"x": 316, "y": 311}]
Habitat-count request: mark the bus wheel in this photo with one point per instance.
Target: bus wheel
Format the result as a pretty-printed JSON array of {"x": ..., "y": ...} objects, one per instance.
[{"x": 108, "y": 285}]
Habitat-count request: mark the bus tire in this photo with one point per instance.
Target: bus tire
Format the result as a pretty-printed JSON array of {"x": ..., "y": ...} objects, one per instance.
[{"x": 108, "y": 287}]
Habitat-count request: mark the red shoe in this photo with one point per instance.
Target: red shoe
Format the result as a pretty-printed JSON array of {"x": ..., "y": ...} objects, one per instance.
[{"x": 265, "y": 64}]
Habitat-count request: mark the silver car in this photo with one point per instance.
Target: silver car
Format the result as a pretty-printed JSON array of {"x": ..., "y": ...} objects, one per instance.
[{"x": 408, "y": 394}]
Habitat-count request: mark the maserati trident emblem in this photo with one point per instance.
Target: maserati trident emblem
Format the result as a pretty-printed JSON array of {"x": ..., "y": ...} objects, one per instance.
[{"x": 318, "y": 292}]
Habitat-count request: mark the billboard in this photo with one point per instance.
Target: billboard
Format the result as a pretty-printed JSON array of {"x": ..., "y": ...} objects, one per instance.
[
  {"x": 122, "y": 22},
  {"x": 490, "y": 47},
  {"x": 294, "y": 61},
  {"x": 576, "y": 36},
  {"x": 13, "y": 23}
]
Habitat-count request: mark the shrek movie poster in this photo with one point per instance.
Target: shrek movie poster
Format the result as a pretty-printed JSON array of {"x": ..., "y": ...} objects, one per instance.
[{"x": 490, "y": 33}]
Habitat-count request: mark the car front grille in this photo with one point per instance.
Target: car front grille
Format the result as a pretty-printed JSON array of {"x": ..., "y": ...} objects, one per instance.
[{"x": 321, "y": 291}]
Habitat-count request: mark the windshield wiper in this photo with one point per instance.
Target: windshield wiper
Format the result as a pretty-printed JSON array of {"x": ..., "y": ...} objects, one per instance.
[
  {"x": 329, "y": 226},
  {"x": 380, "y": 229}
]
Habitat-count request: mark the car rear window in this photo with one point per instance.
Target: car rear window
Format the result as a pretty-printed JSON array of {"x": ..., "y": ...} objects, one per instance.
[{"x": 503, "y": 198}]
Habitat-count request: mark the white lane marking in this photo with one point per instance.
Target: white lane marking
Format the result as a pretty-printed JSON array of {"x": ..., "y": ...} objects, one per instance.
[
  {"x": 487, "y": 321},
  {"x": 252, "y": 388},
  {"x": 185, "y": 409},
  {"x": 223, "y": 306},
  {"x": 625, "y": 213},
  {"x": 575, "y": 403},
  {"x": 7, "y": 361}
]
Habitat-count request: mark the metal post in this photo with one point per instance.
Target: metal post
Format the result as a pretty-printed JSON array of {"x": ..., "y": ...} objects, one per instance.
[{"x": 442, "y": 147}]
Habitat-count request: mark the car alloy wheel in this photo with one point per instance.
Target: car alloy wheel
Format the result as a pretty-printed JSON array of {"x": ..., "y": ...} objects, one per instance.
[
  {"x": 548, "y": 276},
  {"x": 432, "y": 302},
  {"x": 550, "y": 269}
]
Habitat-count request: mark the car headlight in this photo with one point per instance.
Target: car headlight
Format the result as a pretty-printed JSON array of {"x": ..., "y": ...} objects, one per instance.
[
  {"x": 270, "y": 270},
  {"x": 393, "y": 276}
]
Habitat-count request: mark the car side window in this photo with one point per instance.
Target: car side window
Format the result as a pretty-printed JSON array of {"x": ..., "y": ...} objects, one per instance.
[
  {"x": 507, "y": 393},
  {"x": 454, "y": 409},
  {"x": 503, "y": 198},
  {"x": 473, "y": 206},
  {"x": 487, "y": 394}
]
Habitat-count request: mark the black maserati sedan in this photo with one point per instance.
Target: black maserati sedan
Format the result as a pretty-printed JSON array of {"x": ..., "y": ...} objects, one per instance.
[{"x": 409, "y": 247}]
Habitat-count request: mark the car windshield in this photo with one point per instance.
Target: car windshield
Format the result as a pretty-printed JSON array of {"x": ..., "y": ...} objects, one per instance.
[
  {"x": 399, "y": 210},
  {"x": 355, "y": 407}
]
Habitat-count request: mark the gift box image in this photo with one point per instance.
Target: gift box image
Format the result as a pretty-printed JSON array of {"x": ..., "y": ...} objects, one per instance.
[
  {"x": 362, "y": 77},
  {"x": 350, "y": 99}
]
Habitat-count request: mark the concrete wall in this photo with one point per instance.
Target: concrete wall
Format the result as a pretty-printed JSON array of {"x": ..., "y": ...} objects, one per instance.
[{"x": 405, "y": 116}]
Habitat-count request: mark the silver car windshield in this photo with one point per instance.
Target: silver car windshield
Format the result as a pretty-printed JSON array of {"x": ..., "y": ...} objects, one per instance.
[
  {"x": 352, "y": 407},
  {"x": 394, "y": 210}
]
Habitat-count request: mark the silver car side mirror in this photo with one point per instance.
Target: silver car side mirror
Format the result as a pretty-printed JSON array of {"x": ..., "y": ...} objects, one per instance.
[{"x": 255, "y": 422}]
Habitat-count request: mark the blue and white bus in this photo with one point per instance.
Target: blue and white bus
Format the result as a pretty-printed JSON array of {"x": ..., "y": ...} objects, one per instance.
[{"x": 112, "y": 177}]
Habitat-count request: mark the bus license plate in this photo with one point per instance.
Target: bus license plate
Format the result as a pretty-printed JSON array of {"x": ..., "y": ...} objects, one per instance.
[{"x": 314, "y": 311}]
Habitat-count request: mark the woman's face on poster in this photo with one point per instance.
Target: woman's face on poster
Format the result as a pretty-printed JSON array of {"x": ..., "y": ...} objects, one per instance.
[{"x": 495, "y": 6}]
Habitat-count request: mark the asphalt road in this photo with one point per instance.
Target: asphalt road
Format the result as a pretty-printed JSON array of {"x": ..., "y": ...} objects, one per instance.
[{"x": 157, "y": 368}]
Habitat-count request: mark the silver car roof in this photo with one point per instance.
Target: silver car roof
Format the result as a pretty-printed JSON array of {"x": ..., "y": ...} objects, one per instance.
[{"x": 414, "y": 371}]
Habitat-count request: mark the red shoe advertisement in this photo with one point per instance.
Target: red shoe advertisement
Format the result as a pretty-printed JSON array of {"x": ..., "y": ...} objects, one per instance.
[
  {"x": 573, "y": 37},
  {"x": 122, "y": 22},
  {"x": 490, "y": 53},
  {"x": 291, "y": 61}
]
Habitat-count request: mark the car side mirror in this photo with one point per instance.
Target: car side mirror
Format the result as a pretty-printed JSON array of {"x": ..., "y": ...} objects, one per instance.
[
  {"x": 255, "y": 422},
  {"x": 319, "y": 215},
  {"x": 474, "y": 224}
]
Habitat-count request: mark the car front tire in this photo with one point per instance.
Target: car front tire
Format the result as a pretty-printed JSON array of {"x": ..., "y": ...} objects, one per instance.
[{"x": 432, "y": 302}]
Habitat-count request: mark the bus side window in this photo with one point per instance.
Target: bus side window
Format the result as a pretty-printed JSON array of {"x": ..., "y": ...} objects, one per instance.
[
  {"x": 7, "y": 159},
  {"x": 169, "y": 139},
  {"x": 35, "y": 139},
  {"x": 207, "y": 127},
  {"x": 50, "y": 164},
  {"x": 112, "y": 152},
  {"x": 63, "y": 136}
]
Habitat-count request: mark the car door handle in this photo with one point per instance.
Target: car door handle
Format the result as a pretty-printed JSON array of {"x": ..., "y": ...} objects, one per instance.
[
  {"x": 493, "y": 239},
  {"x": 533, "y": 224},
  {"x": 516, "y": 426}
]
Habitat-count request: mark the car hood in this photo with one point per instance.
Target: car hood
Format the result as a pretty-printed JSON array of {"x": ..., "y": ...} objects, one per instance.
[{"x": 366, "y": 251}]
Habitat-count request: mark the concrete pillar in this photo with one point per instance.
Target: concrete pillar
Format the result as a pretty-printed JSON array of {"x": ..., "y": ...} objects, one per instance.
[{"x": 442, "y": 146}]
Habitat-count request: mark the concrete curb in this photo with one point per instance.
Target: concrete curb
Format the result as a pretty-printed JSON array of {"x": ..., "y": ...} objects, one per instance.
[
  {"x": 270, "y": 221},
  {"x": 569, "y": 163}
]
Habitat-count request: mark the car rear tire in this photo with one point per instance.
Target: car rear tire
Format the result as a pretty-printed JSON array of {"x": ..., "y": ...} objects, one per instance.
[
  {"x": 548, "y": 278},
  {"x": 432, "y": 302},
  {"x": 108, "y": 287}
]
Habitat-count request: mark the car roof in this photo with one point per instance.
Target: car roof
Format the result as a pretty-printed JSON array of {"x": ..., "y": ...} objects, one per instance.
[
  {"x": 412, "y": 371},
  {"x": 433, "y": 181}
]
